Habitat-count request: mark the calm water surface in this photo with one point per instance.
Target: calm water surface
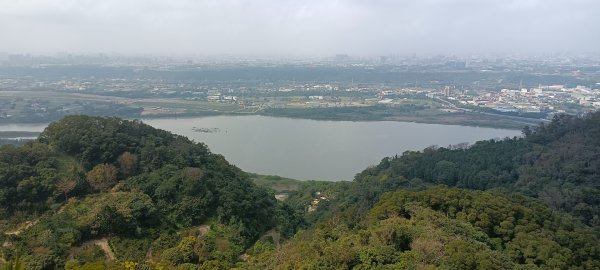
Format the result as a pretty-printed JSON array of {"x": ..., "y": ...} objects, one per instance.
[
  {"x": 23, "y": 127},
  {"x": 309, "y": 149}
]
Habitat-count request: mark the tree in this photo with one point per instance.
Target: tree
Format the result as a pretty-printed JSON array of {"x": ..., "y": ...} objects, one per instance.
[
  {"x": 102, "y": 177},
  {"x": 444, "y": 172},
  {"x": 65, "y": 185},
  {"x": 128, "y": 164},
  {"x": 109, "y": 221}
]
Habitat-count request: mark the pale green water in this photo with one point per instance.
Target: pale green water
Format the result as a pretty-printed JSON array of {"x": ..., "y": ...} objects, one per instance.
[{"x": 309, "y": 149}]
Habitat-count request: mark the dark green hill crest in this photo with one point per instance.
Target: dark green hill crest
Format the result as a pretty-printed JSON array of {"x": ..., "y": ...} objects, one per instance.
[
  {"x": 122, "y": 179},
  {"x": 97, "y": 140}
]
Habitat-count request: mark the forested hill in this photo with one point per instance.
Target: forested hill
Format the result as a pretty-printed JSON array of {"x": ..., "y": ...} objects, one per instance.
[
  {"x": 93, "y": 178},
  {"x": 558, "y": 163},
  {"x": 107, "y": 193},
  {"x": 441, "y": 228}
]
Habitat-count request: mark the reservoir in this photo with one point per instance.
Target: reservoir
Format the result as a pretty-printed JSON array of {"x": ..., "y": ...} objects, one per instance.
[
  {"x": 319, "y": 150},
  {"x": 310, "y": 149}
]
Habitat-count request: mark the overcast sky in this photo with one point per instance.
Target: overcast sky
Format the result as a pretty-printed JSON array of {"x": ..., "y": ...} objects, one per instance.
[{"x": 310, "y": 27}]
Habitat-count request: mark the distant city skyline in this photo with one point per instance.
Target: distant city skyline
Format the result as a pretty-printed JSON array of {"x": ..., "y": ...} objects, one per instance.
[{"x": 300, "y": 28}]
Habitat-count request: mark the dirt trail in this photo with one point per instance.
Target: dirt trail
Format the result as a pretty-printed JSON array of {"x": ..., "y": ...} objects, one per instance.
[
  {"x": 275, "y": 235},
  {"x": 148, "y": 254},
  {"x": 203, "y": 230},
  {"x": 102, "y": 243},
  {"x": 28, "y": 224},
  {"x": 62, "y": 208}
]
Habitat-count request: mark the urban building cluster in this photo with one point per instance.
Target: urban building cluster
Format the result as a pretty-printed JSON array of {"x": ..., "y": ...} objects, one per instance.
[{"x": 509, "y": 84}]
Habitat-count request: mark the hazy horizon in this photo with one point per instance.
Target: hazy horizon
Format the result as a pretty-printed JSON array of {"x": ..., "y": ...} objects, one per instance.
[{"x": 300, "y": 28}]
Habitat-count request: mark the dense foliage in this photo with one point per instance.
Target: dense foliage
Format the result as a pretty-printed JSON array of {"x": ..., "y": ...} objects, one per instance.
[
  {"x": 444, "y": 228},
  {"x": 557, "y": 163},
  {"x": 88, "y": 178},
  {"x": 29, "y": 176}
]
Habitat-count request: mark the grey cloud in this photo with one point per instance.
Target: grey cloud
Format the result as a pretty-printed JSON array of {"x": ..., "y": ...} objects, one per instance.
[{"x": 311, "y": 27}]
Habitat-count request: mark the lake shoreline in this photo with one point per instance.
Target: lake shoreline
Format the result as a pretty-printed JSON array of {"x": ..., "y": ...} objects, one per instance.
[
  {"x": 460, "y": 119},
  {"x": 307, "y": 149},
  {"x": 334, "y": 119}
]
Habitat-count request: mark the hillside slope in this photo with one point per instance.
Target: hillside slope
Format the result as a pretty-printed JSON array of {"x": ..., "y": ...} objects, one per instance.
[
  {"x": 441, "y": 228},
  {"x": 558, "y": 163},
  {"x": 86, "y": 178}
]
